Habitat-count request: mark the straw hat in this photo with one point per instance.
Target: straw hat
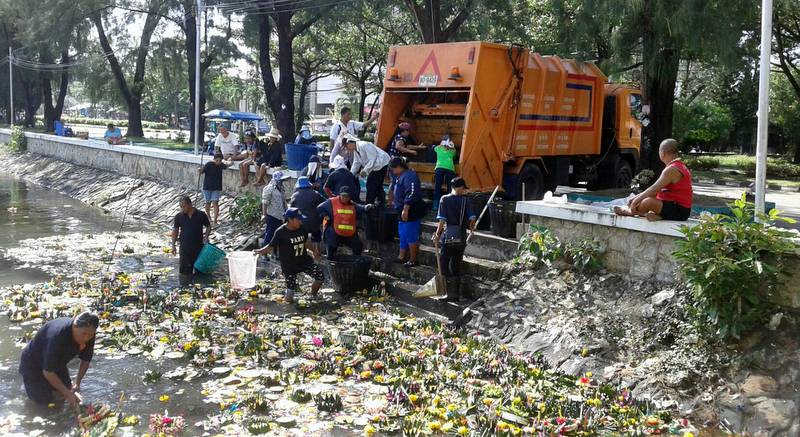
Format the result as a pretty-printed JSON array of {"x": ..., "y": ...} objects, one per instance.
[{"x": 274, "y": 134}]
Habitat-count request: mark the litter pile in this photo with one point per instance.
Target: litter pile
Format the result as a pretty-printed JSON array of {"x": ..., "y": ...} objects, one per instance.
[{"x": 358, "y": 368}]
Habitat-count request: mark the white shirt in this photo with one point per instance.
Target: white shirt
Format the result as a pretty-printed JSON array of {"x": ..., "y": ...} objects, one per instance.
[
  {"x": 227, "y": 145},
  {"x": 368, "y": 158},
  {"x": 338, "y": 131}
]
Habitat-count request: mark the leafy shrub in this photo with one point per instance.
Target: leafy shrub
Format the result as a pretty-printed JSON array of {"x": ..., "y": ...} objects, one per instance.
[
  {"x": 246, "y": 209},
  {"x": 106, "y": 121},
  {"x": 734, "y": 264},
  {"x": 585, "y": 254},
  {"x": 702, "y": 162},
  {"x": 18, "y": 143},
  {"x": 540, "y": 247},
  {"x": 643, "y": 180}
]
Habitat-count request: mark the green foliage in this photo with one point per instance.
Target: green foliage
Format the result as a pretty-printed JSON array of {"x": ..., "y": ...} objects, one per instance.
[
  {"x": 702, "y": 162},
  {"x": 539, "y": 246},
  {"x": 643, "y": 180},
  {"x": 18, "y": 143},
  {"x": 106, "y": 121},
  {"x": 734, "y": 265},
  {"x": 702, "y": 124},
  {"x": 585, "y": 254},
  {"x": 246, "y": 209}
]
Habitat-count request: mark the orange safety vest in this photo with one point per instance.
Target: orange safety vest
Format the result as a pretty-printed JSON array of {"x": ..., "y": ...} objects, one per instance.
[{"x": 344, "y": 217}]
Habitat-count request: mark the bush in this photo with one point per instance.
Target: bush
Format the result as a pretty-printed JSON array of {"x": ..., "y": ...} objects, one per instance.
[
  {"x": 643, "y": 180},
  {"x": 702, "y": 163},
  {"x": 734, "y": 264},
  {"x": 540, "y": 247},
  {"x": 18, "y": 143},
  {"x": 106, "y": 121},
  {"x": 246, "y": 209}
]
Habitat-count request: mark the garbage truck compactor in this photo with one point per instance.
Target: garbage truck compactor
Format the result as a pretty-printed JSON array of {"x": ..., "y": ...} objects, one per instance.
[{"x": 520, "y": 120}]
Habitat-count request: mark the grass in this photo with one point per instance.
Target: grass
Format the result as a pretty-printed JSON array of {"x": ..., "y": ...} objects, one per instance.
[
  {"x": 161, "y": 143},
  {"x": 724, "y": 176}
]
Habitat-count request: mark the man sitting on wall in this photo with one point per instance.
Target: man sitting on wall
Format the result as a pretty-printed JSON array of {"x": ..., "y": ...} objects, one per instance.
[
  {"x": 670, "y": 197},
  {"x": 113, "y": 135}
]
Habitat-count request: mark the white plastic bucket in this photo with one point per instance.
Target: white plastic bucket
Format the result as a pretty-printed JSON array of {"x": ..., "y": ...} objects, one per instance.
[{"x": 242, "y": 269}]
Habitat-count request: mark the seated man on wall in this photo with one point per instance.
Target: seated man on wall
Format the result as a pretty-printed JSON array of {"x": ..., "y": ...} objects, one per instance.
[
  {"x": 113, "y": 135},
  {"x": 670, "y": 197}
]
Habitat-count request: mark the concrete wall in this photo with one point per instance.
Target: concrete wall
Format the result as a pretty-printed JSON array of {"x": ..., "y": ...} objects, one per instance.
[
  {"x": 174, "y": 168},
  {"x": 640, "y": 255}
]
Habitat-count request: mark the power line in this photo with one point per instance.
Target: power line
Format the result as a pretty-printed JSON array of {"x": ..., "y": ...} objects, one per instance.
[{"x": 259, "y": 9}]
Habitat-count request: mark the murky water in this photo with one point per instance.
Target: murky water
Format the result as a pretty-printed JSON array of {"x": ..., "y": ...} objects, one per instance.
[{"x": 28, "y": 211}]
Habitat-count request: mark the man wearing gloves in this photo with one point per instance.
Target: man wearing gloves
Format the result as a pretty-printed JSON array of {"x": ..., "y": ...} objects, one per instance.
[{"x": 372, "y": 162}]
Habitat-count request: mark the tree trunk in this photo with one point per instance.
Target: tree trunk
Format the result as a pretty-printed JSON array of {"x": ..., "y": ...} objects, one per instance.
[
  {"x": 52, "y": 112},
  {"x": 660, "y": 73},
  {"x": 362, "y": 98},
  {"x": 190, "y": 30},
  {"x": 301, "y": 102},
  {"x": 429, "y": 21}
]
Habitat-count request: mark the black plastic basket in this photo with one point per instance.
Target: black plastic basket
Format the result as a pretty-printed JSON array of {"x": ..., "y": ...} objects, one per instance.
[
  {"x": 504, "y": 218},
  {"x": 382, "y": 224},
  {"x": 350, "y": 273}
]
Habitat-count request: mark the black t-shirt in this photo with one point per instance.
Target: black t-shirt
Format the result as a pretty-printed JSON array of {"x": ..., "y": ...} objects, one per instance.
[
  {"x": 262, "y": 150},
  {"x": 274, "y": 154},
  {"x": 191, "y": 228},
  {"x": 53, "y": 348},
  {"x": 341, "y": 177},
  {"x": 291, "y": 247},
  {"x": 212, "y": 180}
]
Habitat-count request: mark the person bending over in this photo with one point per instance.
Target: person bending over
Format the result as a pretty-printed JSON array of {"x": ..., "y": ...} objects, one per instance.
[
  {"x": 670, "y": 197},
  {"x": 44, "y": 360}
]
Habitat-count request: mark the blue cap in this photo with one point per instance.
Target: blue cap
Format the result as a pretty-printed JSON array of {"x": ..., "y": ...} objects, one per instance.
[
  {"x": 293, "y": 213},
  {"x": 302, "y": 182}
]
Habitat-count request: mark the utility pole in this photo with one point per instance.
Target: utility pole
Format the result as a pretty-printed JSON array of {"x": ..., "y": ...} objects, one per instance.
[
  {"x": 10, "y": 86},
  {"x": 763, "y": 105},
  {"x": 197, "y": 129}
]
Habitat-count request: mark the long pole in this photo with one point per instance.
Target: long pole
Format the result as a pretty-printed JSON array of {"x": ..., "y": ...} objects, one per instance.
[
  {"x": 197, "y": 129},
  {"x": 763, "y": 105},
  {"x": 10, "y": 86}
]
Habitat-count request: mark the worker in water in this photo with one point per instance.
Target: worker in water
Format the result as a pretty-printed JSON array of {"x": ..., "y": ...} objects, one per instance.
[
  {"x": 450, "y": 238},
  {"x": 44, "y": 360},
  {"x": 188, "y": 225},
  {"x": 339, "y": 218},
  {"x": 341, "y": 177},
  {"x": 373, "y": 162},
  {"x": 291, "y": 242},
  {"x": 403, "y": 144},
  {"x": 670, "y": 197},
  {"x": 405, "y": 195}
]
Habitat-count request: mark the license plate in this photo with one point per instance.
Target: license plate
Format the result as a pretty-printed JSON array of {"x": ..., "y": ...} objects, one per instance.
[{"x": 428, "y": 80}]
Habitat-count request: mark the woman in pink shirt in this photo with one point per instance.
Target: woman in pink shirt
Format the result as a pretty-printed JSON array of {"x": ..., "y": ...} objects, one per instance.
[{"x": 670, "y": 197}]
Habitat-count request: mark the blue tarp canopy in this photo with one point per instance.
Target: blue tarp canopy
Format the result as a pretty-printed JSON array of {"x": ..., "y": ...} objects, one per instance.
[{"x": 223, "y": 114}]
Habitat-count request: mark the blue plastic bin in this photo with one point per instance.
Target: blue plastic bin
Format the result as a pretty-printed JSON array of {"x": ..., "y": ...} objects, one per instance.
[
  {"x": 209, "y": 259},
  {"x": 297, "y": 155}
]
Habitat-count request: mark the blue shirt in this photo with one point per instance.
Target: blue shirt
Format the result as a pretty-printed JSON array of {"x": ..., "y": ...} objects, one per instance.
[
  {"x": 52, "y": 348},
  {"x": 406, "y": 189},
  {"x": 116, "y": 133}
]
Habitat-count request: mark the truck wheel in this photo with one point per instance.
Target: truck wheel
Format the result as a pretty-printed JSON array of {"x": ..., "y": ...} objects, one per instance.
[
  {"x": 531, "y": 183},
  {"x": 623, "y": 174}
]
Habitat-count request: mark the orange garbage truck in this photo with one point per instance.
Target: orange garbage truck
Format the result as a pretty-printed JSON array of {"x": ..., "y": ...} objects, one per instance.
[{"x": 520, "y": 120}]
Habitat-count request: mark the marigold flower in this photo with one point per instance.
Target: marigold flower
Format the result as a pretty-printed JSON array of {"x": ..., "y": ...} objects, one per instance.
[
  {"x": 369, "y": 430},
  {"x": 413, "y": 398},
  {"x": 462, "y": 430},
  {"x": 435, "y": 425},
  {"x": 163, "y": 398}
]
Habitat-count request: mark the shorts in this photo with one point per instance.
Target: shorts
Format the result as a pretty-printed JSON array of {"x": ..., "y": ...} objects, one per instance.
[
  {"x": 39, "y": 389},
  {"x": 212, "y": 196},
  {"x": 313, "y": 270},
  {"x": 409, "y": 232},
  {"x": 674, "y": 211}
]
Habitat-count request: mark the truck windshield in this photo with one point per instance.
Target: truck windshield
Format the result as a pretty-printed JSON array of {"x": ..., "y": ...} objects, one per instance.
[{"x": 636, "y": 106}]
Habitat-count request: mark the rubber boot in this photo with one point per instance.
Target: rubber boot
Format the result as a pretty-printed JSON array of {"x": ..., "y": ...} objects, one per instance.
[{"x": 452, "y": 285}]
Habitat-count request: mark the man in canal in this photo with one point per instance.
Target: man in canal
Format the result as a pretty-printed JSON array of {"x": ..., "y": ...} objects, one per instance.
[
  {"x": 188, "y": 225},
  {"x": 44, "y": 360},
  {"x": 339, "y": 215},
  {"x": 291, "y": 241}
]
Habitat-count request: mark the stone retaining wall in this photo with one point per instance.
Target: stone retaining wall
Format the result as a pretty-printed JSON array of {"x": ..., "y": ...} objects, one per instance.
[{"x": 175, "y": 168}]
